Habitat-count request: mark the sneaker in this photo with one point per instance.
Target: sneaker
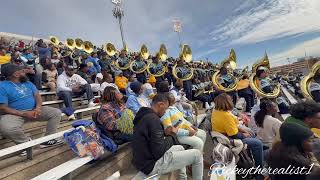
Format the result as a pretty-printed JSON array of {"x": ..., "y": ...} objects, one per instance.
[
  {"x": 91, "y": 104},
  {"x": 71, "y": 117},
  {"x": 50, "y": 143},
  {"x": 23, "y": 153}
]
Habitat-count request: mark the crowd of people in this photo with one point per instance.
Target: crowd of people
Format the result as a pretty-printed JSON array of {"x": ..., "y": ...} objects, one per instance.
[{"x": 156, "y": 114}]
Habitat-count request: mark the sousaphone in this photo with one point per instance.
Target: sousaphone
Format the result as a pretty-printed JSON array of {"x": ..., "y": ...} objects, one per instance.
[
  {"x": 183, "y": 71},
  {"x": 140, "y": 65},
  {"x": 230, "y": 64},
  {"x": 88, "y": 47},
  {"x": 78, "y": 50},
  {"x": 123, "y": 63},
  {"x": 307, "y": 80},
  {"x": 255, "y": 82},
  {"x": 157, "y": 69}
]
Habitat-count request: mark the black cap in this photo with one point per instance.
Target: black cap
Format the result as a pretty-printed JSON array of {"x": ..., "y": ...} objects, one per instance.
[{"x": 8, "y": 69}]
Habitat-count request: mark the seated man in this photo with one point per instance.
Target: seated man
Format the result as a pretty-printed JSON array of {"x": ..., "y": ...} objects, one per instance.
[
  {"x": 20, "y": 101},
  {"x": 153, "y": 153},
  {"x": 70, "y": 84}
]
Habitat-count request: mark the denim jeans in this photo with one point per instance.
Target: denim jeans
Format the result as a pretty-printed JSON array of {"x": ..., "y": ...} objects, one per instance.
[
  {"x": 176, "y": 158},
  {"x": 197, "y": 141},
  {"x": 66, "y": 96},
  {"x": 256, "y": 147}
]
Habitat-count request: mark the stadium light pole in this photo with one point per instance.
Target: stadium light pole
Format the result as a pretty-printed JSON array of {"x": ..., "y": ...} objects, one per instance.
[{"x": 118, "y": 13}]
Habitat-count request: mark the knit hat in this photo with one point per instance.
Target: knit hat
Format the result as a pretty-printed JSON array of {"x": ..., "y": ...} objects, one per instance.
[
  {"x": 294, "y": 134},
  {"x": 152, "y": 79},
  {"x": 136, "y": 86}
]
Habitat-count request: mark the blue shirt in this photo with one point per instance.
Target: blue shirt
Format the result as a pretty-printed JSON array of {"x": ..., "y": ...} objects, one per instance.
[
  {"x": 133, "y": 103},
  {"x": 19, "y": 96},
  {"x": 94, "y": 62}
]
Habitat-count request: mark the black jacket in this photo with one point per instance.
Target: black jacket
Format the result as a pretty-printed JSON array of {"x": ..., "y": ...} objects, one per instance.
[{"x": 149, "y": 143}]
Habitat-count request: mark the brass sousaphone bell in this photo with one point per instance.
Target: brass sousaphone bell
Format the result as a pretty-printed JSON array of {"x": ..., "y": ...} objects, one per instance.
[
  {"x": 255, "y": 83},
  {"x": 123, "y": 63},
  {"x": 158, "y": 69},
  {"x": 231, "y": 60},
  {"x": 139, "y": 66},
  {"x": 307, "y": 80},
  {"x": 88, "y": 47},
  {"x": 110, "y": 49},
  {"x": 184, "y": 72}
]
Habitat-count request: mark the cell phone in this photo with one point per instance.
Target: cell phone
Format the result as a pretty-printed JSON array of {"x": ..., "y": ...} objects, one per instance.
[{"x": 178, "y": 123}]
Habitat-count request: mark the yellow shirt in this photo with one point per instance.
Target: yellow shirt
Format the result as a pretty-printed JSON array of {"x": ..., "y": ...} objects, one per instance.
[
  {"x": 121, "y": 82},
  {"x": 224, "y": 122},
  {"x": 5, "y": 59}
]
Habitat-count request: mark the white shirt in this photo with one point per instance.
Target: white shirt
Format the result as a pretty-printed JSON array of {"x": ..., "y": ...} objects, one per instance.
[
  {"x": 270, "y": 130},
  {"x": 66, "y": 83},
  {"x": 106, "y": 84},
  {"x": 99, "y": 75}
]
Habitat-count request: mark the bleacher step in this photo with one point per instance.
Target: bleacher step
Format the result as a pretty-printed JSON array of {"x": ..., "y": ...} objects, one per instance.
[{"x": 41, "y": 163}]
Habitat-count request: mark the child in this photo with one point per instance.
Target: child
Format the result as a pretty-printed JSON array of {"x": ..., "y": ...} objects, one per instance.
[
  {"x": 49, "y": 77},
  {"x": 187, "y": 133}
]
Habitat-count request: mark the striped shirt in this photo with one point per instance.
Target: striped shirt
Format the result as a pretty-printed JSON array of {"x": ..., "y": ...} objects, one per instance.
[{"x": 172, "y": 116}]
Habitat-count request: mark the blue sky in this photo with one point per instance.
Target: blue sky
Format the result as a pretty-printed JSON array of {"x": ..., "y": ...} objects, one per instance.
[{"x": 283, "y": 28}]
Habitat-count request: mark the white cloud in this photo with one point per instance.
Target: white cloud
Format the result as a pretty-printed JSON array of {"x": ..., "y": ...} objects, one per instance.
[
  {"x": 269, "y": 20},
  {"x": 310, "y": 48}
]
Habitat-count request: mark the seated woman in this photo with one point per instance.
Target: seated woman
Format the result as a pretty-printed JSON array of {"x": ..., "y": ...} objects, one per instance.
[
  {"x": 268, "y": 126},
  {"x": 49, "y": 77},
  {"x": 133, "y": 101},
  {"x": 181, "y": 100},
  {"x": 147, "y": 94},
  {"x": 295, "y": 151},
  {"x": 114, "y": 116},
  {"x": 224, "y": 122},
  {"x": 187, "y": 133}
]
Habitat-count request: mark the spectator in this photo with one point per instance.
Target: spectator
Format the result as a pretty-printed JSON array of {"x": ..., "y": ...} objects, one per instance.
[
  {"x": 49, "y": 77},
  {"x": 307, "y": 114},
  {"x": 153, "y": 153},
  {"x": 70, "y": 84},
  {"x": 224, "y": 122},
  {"x": 99, "y": 77},
  {"x": 163, "y": 87},
  {"x": 181, "y": 100},
  {"x": 107, "y": 81},
  {"x": 114, "y": 116},
  {"x": 294, "y": 150},
  {"x": 268, "y": 126},
  {"x": 133, "y": 102},
  {"x": 20, "y": 101},
  {"x": 187, "y": 133},
  {"x": 4, "y": 58},
  {"x": 83, "y": 72},
  {"x": 129, "y": 91},
  {"x": 146, "y": 96},
  {"x": 94, "y": 60},
  {"x": 122, "y": 82}
]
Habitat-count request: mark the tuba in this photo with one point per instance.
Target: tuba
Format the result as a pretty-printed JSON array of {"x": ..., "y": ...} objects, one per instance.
[
  {"x": 88, "y": 47},
  {"x": 181, "y": 70},
  {"x": 55, "y": 42},
  {"x": 110, "y": 49},
  {"x": 123, "y": 63},
  {"x": 157, "y": 68},
  {"x": 255, "y": 82},
  {"x": 77, "y": 51},
  {"x": 307, "y": 80},
  {"x": 230, "y": 64},
  {"x": 140, "y": 65}
]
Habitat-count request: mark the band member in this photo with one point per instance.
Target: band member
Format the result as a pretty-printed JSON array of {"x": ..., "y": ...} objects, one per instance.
[
  {"x": 204, "y": 98},
  {"x": 123, "y": 60},
  {"x": 315, "y": 87},
  {"x": 226, "y": 80},
  {"x": 157, "y": 67},
  {"x": 246, "y": 92},
  {"x": 141, "y": 77},
  {"x": 265, "y": 82}
]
